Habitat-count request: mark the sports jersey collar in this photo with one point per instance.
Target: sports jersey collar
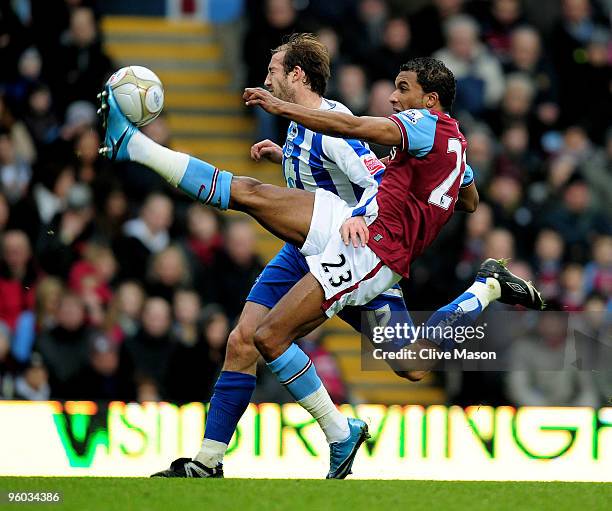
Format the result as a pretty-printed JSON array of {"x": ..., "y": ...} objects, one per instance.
[{"x": 326, "y": 104}]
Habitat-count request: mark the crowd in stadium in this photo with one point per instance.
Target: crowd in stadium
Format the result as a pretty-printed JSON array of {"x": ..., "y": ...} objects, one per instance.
[{"x": 114, "y": 286}]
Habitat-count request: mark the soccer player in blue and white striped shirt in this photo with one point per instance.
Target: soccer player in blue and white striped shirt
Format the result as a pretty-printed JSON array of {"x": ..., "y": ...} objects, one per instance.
[{"x": 298, "y": 72}]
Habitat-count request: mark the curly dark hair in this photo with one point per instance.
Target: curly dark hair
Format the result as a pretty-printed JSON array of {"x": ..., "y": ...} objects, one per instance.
[
  {"x": 434, "y": 76},
  {"x": 306, "y": 51}
]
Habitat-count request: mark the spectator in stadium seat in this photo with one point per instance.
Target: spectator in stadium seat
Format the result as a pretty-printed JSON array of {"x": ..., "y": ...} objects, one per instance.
[
  {"x": 146, "y": 355},
  {"x": 168, "y": 271},
  {"x": 18, "y": 277},
  {"x": 202, "y": 245},
  {"x": 125, "y": 311},
  {"x": 14, "y": 38},
  {"x": 515, "y": 106},
  {"x": 15, "y": 173},
  {"x": 191, "y": 371},
  {"x": 236, "y": 268},
  {"x": 91, "y": 168},
  {"x": 596, "y": 73},
  {"x": 111, "y": 213},
  {"x": 499, "y": 243},
  {"x": 33, "y": 383},
  {"x": 39, "y": 117},
  {"x": 81, "y": 65},
  {"x": 576, "y": 220},
  {"x": 50, "y": 193},
  {"x": 526, "y": 57},
  {"x": 481, "y": 154},
  {"x": 65, "y": 348},
  {"x": 29, "y": 75},
  {"x": 543, "y": 375},
  {"x": 353, "y": 88},
  {"x": 480, "y": 81},
  {"x": 572, "y": 295},
  {"x": 23, "y": 145},
  {"x": 596, "y": 171},
  {"x": 330, "y": 39},
  {"x": 101, "y": 380},
  {"x": 570, "y": 37},
  {"x": 364, "y": 32},
  {"x": 548, "y": 259},
  {"x": 379, "y": 106},
  {"x": 91, "y": 278},
  {"x": 394, "y": 50},
  {"x": 477, "y": 227},
  {"x": 497, "y": 26},
  {"x": 598, "y": 272},
  {"x": 143, "y": 236},
  {"x": 427, "y": 24},
  {"x": 61, "y": 244},
  {"x": 216, "y": 329},
  {"x": 186, "y": 306},
  {"x": 30, "y": 323},
  {"x": 515, "y": 159}
]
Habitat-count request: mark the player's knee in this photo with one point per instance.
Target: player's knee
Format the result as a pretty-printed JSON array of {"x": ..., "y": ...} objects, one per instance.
[{"x": 240, "y": 344}]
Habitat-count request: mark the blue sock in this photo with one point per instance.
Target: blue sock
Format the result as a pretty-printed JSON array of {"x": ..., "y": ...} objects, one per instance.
[
  {"x": 296, "y": 372},
  {"x": 230, "y": 399},
  {"x": 462, "y": 311},
  {"x": 206, "y": 183}
]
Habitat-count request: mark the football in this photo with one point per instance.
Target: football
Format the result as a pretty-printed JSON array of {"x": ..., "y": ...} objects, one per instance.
[{"x": 139, "y": 93}]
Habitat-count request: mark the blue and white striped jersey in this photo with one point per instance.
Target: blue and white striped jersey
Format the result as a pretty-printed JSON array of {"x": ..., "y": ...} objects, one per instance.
[{"x": 345, "y": 167}]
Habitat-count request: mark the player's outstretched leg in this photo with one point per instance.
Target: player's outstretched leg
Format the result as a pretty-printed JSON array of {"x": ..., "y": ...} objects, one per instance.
[
  {"x": 285, "y": 212},
  {"x": 494, "y": 281}
]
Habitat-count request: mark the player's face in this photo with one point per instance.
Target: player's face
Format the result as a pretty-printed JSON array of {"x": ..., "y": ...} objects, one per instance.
[
  {"x": 277, "y": 81},
  {"x": 409, "y": 94}
]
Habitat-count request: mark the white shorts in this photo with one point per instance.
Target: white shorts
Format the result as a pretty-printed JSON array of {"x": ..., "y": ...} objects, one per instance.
[{"x": 348, "y": 275}]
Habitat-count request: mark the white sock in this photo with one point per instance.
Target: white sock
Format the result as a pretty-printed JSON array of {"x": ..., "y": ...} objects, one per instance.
[
  {"x": 485, "y": 292},
  {"x": 169, "y": 164},
  {"x": 332, "y": 422},
  {"x": 211, "y": 453}
]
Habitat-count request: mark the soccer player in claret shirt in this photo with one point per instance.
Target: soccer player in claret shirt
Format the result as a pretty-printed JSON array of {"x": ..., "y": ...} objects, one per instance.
[{"x": 420, "y": 190}]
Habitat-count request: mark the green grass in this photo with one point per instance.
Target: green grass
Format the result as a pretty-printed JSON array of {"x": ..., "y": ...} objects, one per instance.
[{"x": 313, "y": 495}]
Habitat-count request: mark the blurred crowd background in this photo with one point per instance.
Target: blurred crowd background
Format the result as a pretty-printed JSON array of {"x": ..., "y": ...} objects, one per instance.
[{"x": 114, "y": 286}]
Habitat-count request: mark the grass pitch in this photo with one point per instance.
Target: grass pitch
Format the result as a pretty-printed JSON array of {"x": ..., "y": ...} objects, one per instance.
[{"x": 97, "y": 493}]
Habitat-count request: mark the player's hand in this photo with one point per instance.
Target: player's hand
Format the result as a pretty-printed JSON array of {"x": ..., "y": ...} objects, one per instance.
[
  {"x": 354, "y": 230},
  {"x": 263, "y": 98},
  {"x": 268, "y": 150}
]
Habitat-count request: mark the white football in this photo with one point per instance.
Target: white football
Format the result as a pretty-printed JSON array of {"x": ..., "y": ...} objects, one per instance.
[{"x": 139, "y": 93}]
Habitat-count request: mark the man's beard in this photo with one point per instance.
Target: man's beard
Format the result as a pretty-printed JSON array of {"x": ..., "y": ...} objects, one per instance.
[{"x": 284, "y": 93}]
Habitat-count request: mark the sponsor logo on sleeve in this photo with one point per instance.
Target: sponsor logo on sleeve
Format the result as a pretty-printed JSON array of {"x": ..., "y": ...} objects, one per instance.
[
  {"x": 373, "y": 164},
  {"x": 412, "y": 116}
]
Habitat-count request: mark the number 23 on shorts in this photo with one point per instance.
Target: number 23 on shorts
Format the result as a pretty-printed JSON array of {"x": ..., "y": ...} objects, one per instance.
[{"x": 338, "y": 280}]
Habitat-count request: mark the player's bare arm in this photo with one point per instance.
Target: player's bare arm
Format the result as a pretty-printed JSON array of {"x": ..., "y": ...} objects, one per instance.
[
  {"x": 378, "y": 130},
  {"x": 468, "y": 199}
]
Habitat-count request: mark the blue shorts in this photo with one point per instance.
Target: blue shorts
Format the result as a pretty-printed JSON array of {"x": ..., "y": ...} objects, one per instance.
[{"x": 289, "y": 266}]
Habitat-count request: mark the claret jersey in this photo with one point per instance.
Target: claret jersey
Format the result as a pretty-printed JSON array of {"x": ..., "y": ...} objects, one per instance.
[{"x": 421, "y": 185}]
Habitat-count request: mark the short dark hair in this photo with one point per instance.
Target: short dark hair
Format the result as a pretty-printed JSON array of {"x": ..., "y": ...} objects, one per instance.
[
  {"x": 306, "y": 51},
  {"x": 434, "y": 76}
]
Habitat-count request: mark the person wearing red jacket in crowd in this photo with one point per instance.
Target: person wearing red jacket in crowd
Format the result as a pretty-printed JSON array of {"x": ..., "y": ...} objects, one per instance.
[{"x": 18, "y": 277}]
